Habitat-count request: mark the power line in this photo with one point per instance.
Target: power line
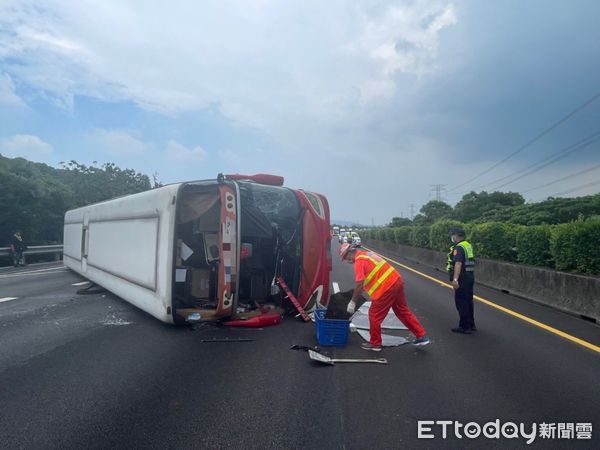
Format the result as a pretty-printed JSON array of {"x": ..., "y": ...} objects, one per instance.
[
  {"x": 533, "y": 140},
  {"x": 546, "y": 161},
  {"x": 577, "y": 188},
  {"x": 559, "y": 157},
  {"x": 592, "y": 137},
  {"x": 562, "y": 179}
]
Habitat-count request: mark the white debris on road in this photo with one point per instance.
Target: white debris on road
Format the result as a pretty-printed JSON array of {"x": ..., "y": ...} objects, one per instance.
[
  {"x": 113, "y": 320},
  {"x": 360, "y": 319},
  {"x": 386, "y": 339}
]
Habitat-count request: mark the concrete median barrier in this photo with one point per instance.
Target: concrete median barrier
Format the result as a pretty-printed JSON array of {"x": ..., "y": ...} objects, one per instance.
[{"x": 572, "y": 293}]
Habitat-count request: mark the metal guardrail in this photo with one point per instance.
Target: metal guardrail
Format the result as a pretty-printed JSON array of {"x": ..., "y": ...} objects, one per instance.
[{"x": 35, "y": 250}]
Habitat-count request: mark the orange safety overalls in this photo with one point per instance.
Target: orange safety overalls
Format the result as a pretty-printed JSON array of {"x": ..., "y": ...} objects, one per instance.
[{"x": 385, "y": 286}]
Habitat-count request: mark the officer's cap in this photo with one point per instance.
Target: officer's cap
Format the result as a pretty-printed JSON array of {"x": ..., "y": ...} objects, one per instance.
[{"x": 457, "y": 232}]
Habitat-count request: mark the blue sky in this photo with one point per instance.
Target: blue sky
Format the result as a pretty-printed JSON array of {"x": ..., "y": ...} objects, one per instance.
[{"x": 369, "y": 103}]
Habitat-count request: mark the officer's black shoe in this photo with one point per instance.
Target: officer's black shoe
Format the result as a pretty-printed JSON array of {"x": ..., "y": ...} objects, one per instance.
[
  {"x": 461, "y": 330},
  {"x": 473, "y": 328}
]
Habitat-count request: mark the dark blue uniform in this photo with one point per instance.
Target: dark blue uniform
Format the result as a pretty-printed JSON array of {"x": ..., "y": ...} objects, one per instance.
[{"x": 463, "y": 296}]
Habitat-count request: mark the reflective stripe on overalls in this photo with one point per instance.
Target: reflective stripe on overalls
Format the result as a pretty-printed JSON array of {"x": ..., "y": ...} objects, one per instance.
[
  {"x": 469, "y": 256},
  {"x": 381, "y": 277}
]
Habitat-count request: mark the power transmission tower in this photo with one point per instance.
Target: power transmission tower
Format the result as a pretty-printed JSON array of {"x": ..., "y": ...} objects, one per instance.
[
  {"x": 438, "y": 189},
  {"x": 412, "y": 211}
]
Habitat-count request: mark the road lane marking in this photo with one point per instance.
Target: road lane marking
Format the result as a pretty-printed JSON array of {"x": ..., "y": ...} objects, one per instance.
[
  {"x": 41, "y": 270},
  {"x": 80, "y": 284},
  {"x": 336, "y": 287},
  {"x": 534, "y": 322},
  {"x": 32, "y": 272},
  {"x": 7, "y": 299}
]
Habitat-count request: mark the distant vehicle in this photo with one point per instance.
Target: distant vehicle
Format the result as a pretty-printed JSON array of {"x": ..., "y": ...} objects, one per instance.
[
  {"x": 204, "y": 247},
  {"x": 341, "y": 235},
  {"x": 336, "y": 230},
  {"x": 356, "y": 238}
]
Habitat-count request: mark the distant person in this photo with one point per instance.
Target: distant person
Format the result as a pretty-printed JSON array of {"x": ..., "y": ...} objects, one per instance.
[
  {"x": 385, "y": 286},
  {"x": 461, "y": 271},
  {"x": 17, "y": 247}
]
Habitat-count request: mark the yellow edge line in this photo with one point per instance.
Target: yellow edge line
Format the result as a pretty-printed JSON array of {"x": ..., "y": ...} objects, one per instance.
[{"x": 562, "y": 334}]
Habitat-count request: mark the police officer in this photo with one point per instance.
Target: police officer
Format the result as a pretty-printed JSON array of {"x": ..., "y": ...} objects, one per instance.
[{"x": 461, "y": 266}]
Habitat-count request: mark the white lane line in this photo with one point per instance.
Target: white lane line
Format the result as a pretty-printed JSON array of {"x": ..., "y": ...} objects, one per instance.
[
  {"x": 336, "y": 287},
  {"x": 80, "y": 284},
  {"x": 35, "y": 272},
  {"x": 41, "y": 270},
  {"x": 7, "y": 299}
]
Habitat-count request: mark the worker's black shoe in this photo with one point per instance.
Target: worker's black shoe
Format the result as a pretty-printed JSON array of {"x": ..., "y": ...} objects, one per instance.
[
  {"x": 461, "y": 330},
  {"x": 473, "y": 328},
  {"x": 369, "y": 346}
]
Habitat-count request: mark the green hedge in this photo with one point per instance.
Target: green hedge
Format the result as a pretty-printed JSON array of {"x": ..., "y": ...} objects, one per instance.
[
  {"x": 402, "y": 235},
  {"x": 495, "y": 240},
  {"x": 533, "y": 246},
  {"x": 419, "y": 236},
  {"x": 389, "y": 235},
  {"x": 575, "y": 246},
  {"x": 439, "y": 236},
  {"x": 570, "y": 247}
]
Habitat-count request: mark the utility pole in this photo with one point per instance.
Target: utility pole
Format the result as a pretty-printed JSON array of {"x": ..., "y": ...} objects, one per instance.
[
  {"x": 438, "y": 189},
  {"x": 412, "y": 211}
]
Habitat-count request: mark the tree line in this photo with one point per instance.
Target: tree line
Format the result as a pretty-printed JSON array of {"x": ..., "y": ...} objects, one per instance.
[
  {"x": 36, "y": 196},
  {"x": 509, "y": 207},
  {"x": 559, "y": 233}
]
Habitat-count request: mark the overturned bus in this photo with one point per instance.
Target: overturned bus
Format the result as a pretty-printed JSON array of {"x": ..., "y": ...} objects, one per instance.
[{"x": 206, "y": 248}]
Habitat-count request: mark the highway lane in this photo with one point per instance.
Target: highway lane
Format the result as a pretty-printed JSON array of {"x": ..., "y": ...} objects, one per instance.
[{"x": 96, "y": 372}]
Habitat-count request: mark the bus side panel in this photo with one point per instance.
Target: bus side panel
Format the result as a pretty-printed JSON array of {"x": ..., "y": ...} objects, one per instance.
[
  {"x": 72, "y": 241},
  {"x": 136, "y": 238},
  {"x": 129, "y": 247},
  {"x": 316, "y": 251}
]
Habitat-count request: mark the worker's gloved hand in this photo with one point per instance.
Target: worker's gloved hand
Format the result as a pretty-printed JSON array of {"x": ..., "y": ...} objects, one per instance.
[{"x": 351, "y": 307}]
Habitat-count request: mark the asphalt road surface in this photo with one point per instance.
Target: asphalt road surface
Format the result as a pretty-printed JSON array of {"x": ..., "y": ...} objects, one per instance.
[{"x": 95, "y": 372}]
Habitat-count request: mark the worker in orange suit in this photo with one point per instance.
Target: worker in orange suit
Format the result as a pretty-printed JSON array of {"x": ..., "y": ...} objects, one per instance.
[{"x": 375, "y": 276}]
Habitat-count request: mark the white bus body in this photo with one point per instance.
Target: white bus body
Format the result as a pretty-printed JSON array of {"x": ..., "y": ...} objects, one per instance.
[
  {"x": 124, "y": 245},
  {"x": 180, "y": 249}
]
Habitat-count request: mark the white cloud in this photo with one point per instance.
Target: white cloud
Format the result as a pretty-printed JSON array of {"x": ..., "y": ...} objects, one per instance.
[
  {"x": 316, "y": 83},
  {"x": 403, "y": 39},
  {"x": 118, "y": 142},
  {"x": 8, "y": 95},
  {"x": 267, "y": 64},
  {"x": 25, "y": 146},
  {"x": 181, "y": 153}
]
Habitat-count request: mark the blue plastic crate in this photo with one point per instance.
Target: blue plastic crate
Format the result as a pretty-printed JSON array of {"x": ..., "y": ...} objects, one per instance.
[{"x": 331, "y": 332}]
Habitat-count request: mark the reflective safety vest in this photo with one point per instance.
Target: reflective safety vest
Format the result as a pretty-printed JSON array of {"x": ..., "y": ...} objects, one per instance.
[
  {"x": 381, "y": 277},
  {"x": 469, "y": 257},
  {"x": 450, "y": 261}
]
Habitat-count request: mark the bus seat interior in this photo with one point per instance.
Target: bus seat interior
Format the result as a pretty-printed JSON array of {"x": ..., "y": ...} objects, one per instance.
[{"x": 197, "y": 249}]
